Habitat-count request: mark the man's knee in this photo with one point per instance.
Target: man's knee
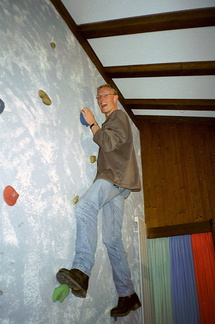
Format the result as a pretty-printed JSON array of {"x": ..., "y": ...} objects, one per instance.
[{"x": 111, "y": 241}]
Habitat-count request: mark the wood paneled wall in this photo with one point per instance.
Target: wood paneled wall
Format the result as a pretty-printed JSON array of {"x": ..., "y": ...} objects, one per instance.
[{"x": 178, "y": 172}]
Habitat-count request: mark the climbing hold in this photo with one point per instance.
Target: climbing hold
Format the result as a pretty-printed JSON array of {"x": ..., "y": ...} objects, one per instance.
[
  {"x": 75, "y": 200},
  {"x": 53, "y": 45},
  {"x": 60, "y": 293},
  {"x": 10, "y": 195},
  {"x": 45, "y": 98},
  {"x": 1, "y": 106},
  {"x": 83, "y": 121},
  {"x": 92, "y": 158}
]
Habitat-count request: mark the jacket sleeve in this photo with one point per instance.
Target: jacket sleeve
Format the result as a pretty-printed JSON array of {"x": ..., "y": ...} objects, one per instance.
[{"x": 113, "y": 134}]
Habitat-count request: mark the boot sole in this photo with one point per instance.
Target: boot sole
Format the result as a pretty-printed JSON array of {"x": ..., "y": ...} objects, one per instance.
[
  {"x": 135, "y": 307},
  {"x": 64, "y": 277}
]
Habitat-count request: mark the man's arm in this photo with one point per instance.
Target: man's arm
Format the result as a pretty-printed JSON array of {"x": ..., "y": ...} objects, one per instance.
[{"x": 114, "y": 134}]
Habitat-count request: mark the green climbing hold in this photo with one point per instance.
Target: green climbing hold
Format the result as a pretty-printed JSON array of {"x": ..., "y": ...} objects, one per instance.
[{"x": 60, "y": 293}]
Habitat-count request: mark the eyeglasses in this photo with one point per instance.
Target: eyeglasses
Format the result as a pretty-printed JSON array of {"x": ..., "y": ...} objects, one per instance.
[{"x": 105, "y": 95}]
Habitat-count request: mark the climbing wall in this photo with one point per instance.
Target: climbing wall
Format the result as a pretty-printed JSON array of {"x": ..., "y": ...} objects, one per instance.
[{"x": 47, "y": 159}]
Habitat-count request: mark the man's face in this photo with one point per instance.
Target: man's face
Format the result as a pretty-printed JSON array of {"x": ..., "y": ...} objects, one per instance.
[{"x": 107, "y": 100}]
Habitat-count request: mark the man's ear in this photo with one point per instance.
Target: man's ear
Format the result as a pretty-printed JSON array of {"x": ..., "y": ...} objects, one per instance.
[{"x": 116, "y": 97}]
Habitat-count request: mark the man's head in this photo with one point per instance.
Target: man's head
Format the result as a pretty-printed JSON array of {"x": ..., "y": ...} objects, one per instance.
[{"x": 107, "y": 99}]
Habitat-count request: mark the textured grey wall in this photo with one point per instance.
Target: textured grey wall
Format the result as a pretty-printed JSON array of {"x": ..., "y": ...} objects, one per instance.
[{"x": 44, "y": 155}]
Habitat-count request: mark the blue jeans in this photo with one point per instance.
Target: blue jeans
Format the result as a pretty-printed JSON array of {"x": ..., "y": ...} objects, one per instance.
[{"x": 103, "y": 194}]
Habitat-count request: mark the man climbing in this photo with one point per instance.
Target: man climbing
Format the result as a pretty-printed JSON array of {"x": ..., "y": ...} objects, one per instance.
[{"x": 117, "y": 175}]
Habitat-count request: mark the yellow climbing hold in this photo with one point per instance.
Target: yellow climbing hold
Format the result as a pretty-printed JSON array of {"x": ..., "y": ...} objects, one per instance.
[
  {"x": 53, "y": 45},
  {"x": 45, "y": 98},
  {"x": 75, "y": 200},
  {"x": 92, "y": 158}
]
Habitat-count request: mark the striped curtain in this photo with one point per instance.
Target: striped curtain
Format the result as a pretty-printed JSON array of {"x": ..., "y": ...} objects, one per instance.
[{"x": 182, "y": 271}]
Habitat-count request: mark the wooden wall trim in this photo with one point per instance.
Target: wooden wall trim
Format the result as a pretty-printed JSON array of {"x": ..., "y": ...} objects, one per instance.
[
  {"x": 212, "y": 225},
  {"x": 182, "y": 229}
]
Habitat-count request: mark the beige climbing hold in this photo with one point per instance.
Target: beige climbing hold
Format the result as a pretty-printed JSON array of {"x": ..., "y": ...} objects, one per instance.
[
  {"x": 53, "y": 45},
  {"x": 45, "y": 98},
  {"x": 92, "y": 158},
  {"x": 75, "y": 200}
]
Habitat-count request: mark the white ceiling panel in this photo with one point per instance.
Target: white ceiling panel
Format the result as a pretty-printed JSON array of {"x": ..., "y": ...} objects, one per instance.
[
  {"x": 195, "y": 44},
  {"x": 201, "y": 87},
  {"x": 85, "y": 11}
]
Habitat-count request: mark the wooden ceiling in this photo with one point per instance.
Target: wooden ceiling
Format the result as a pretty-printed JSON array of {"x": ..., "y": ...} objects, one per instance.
[{"x": 158, "y": 22}]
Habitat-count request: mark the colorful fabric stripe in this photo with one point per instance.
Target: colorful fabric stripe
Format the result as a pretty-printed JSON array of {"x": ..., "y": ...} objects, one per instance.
[
  {"x": 184, "y": 293},
  {"x": 204, "y": 260},
  {"x": 159, "y": 265}
]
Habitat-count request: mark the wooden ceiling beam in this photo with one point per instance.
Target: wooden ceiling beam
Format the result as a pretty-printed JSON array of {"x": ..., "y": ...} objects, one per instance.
[
  {"x": 161, "y": 70},
  {"x": 150, "y": 23},
  {"x": 171, "y": 104},
  {"x": 140, "y": 119}
]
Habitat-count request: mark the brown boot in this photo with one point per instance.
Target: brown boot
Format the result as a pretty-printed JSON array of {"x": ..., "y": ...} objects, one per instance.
[
  {"x": 75, "y": 279},
  {"x": 125, "y": 306}
]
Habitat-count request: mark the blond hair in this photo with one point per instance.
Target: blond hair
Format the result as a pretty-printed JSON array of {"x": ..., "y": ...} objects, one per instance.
[{"x": 107, "y": 86}]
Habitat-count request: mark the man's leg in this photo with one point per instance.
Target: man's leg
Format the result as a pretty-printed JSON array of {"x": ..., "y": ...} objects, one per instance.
[
  {"x": 100, "y": 193},
  {"x": 87, "y": 208},
  {"x": 112, "y": 238}
]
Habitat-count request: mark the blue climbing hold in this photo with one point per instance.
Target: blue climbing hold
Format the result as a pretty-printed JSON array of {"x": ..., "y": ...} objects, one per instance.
[
  {"x": 1, "y": 106},
  {"x": 83, "y": 121}
]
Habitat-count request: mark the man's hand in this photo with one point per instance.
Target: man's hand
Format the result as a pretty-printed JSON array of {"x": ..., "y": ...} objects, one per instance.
[
  {"x": 88, "y": 115},
  {"x": 60, "y": 293}
]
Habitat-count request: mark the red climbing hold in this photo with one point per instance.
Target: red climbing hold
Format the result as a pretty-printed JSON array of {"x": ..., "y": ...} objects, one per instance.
[{"x": 10, "y": 195}]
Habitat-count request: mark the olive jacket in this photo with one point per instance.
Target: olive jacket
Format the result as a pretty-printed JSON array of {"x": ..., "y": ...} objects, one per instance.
[{"x": 116, "y": 161}]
